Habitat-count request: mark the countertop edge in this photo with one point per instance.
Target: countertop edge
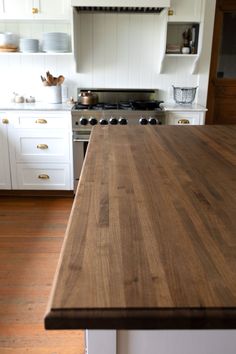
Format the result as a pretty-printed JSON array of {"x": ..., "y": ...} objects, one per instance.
[
  {"x": 182, "y": 318},
  {"x": 174, "y": 107},
  {"x": 37, "y": 106}
]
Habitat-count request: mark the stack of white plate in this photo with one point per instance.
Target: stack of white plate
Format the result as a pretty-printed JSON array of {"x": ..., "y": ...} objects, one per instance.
[
  {"x": 55, "y": 42},
  {"x": 29, "y": 45}
]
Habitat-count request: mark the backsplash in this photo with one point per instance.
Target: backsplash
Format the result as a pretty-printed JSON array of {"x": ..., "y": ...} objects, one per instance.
[{"x": 114, "y": 50}]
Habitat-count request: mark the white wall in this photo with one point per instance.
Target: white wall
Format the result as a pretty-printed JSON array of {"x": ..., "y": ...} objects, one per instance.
[{"x": 114, "y": 51}]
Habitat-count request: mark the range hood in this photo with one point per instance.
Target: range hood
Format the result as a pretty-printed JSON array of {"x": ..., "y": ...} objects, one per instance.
[{"x": 121, "y": 6}]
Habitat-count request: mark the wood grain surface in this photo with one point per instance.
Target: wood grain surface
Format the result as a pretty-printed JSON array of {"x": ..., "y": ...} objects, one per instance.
[{"x": 151, "y": 240}]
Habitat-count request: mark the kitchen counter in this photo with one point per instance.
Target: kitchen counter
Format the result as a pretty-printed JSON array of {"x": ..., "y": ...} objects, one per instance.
[
  {"x": 37, "y": 106},
  {"x": 150, "y": 242},
  {"x": 174, "y": 107}
]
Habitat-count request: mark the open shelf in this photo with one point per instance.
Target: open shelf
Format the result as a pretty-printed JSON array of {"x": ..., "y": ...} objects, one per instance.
[
  {"x": 36, "y": 54},
  {"x": 181, "y": 55},
  {"x": 173, "y": 35}
]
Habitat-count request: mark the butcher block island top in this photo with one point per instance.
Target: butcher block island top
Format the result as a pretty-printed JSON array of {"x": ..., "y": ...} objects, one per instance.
[{"x": 151, "y": 241}]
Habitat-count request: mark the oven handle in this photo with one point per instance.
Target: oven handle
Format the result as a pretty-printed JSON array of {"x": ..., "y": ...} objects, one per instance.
[{"x": 80, "y": 140}]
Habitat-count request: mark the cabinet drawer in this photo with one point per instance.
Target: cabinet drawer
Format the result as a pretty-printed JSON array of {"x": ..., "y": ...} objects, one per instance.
[
  {"x": 43, "y": 176},
  {"x": 185, "y": 118},
  {"x": 42, "y": 120},
  {"x": 41, "y": 146}
]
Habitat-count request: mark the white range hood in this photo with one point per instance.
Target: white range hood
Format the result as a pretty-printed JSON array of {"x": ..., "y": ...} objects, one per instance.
[{"x": 140, "y": 6}]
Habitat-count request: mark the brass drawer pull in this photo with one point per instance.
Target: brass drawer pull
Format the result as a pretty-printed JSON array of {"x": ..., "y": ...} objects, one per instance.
[
  {"x": 43, "y": 176},
  {"x": 183, "y": 121},
  {"x": 170, "y": 12},
  {"x": 42, "y": 146},
  {"x": 5, "y": 121},
  {"x": 35, "y": 10},
  {"x": 41, "y": 121}
]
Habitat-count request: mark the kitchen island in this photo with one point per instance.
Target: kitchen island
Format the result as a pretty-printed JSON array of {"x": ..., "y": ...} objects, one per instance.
[{"x": 151, "y": 241}]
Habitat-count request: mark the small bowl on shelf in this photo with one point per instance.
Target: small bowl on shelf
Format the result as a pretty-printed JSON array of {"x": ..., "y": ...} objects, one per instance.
[
  {"x": 29, "y": 45},
  {"x": 8, "y": 42}
]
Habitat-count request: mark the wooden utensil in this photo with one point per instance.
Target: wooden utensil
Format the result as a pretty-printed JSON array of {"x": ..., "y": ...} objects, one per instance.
[{"x": 60, "y": 80}]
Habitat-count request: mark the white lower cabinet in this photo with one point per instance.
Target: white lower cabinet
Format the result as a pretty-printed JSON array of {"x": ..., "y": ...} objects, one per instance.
[
  {"x": 42, "y": 176},
  {"x": 185, "y": 118},
  {"x": 40, "y": 150},
  {"x": 5, "y": 175},
  {"x": 41, "y": 146}
]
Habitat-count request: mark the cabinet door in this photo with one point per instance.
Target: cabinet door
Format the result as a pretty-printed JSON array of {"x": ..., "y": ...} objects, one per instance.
[
  {"x": 17, "y": 9},
  {"x": 5, "y": 179},
  {"x": 186, "y": 10},
  {"x": 1, "y": 8},
  {"x": 59, "y": 9},
  {"x": 185, "y": 118},
  {"x": 41, "y": 146},
  {"x": 42, "y": 176},
  {"x": 35, "y": 9}
]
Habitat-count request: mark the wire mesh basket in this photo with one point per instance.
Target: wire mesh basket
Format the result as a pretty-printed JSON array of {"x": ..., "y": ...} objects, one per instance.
[{"x": 184, "y": 95}]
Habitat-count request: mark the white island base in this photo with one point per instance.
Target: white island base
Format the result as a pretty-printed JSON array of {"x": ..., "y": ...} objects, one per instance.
[{"x": 161, "y": 342}]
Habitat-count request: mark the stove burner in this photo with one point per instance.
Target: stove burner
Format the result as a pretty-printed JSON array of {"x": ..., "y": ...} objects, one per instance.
[
  {"x": 125, "y": 105},
  {"x": 110, "y": 106},
  {"x": 144, "y": 105}
]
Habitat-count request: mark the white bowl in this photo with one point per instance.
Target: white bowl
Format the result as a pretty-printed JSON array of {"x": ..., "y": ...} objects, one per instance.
[
  {"x": 29, "y": 45},
  {"x": 8, "y": 39}
]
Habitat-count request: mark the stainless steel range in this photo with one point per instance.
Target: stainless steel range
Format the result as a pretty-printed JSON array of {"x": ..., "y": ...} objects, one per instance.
[{"x": 115, "y": 107}]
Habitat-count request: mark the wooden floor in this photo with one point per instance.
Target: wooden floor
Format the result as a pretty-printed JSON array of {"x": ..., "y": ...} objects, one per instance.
[{"x": 31, "y": 235}]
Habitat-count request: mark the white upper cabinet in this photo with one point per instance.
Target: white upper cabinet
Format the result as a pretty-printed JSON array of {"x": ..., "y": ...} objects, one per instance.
[
  {"x": 59, "y": 9},
  {"x": 35, "y": 9},
  {"x": 1, "y": 8},
  {"x": 15, "y": 9},
  {"x": 185, "y": 10}
]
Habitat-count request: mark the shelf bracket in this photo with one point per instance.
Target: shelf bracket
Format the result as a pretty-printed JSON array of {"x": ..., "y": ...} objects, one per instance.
[{"x": 195, "y": 66}]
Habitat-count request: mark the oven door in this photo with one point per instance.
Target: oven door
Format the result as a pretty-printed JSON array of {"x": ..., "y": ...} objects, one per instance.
[{"x": 80, "y": 143}]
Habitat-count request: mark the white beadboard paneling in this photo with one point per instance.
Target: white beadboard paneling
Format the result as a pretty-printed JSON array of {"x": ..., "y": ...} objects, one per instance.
[
  {"x": 110, "y": 49},
  {"x": 85, "y": 50},
  {"x": 124, "y": 50},
  {"x": 135, "y": 50},
  {"x": 99, "y": 47},
  {"x": 122, "y": 44},
  {"x": 148, "y": 51}
]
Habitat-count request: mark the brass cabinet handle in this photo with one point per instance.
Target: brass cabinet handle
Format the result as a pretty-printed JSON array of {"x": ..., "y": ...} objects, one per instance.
[
  {"x": 43, "y": 176},
  {"x": 183, "y": 121},
  {"x": 35, "y": 10},
  {"x": 170, "y": 12},
  {"x": 5, "y": 121},
  {"x": 42, "y": 146},
  {"x": 41, "y": 121}
]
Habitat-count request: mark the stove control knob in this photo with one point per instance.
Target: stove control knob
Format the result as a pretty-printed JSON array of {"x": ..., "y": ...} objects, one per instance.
[
  {"x": 113, "y": 121},
  {"x": 83, "y": 121},
  {"x": 152, "y": 121},
  {"x": 93, "y": 121},
  {"x": 123, "y": 121},
  {"x": 103, "y": 121},
  {"x": 143, "y": 121}
]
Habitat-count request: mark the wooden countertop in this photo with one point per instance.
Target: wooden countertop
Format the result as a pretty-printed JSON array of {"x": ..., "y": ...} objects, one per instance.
[{"x": 151, "y": 241}]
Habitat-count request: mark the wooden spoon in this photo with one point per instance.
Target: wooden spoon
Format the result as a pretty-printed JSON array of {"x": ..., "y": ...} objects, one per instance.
[
  {"x": 60, "y": 80},
  {"x": 50, "y": 78}
]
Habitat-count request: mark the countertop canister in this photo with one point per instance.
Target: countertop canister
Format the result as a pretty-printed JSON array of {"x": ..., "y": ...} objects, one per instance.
[{"x": 52, "y": 94}]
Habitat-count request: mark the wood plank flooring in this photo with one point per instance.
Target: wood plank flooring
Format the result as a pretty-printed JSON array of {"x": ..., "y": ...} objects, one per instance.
[{"x": 31, "y": 235}]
